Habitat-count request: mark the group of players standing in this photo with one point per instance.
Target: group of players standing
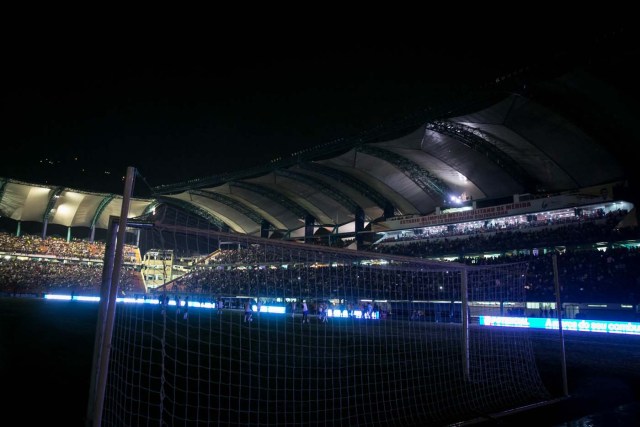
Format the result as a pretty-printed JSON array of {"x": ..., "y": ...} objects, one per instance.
[{"x": 183, "y": 307}]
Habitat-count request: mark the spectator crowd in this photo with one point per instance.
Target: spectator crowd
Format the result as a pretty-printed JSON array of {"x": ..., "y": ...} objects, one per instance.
[
  {"x": 32, "y": 265},
  {"x": 596, "y": 263}
]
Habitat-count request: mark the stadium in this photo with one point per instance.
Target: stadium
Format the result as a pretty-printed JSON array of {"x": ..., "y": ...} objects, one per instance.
[{"x": 359, "y": 282}]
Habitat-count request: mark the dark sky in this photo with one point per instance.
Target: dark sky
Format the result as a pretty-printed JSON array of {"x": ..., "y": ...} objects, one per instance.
[{"x": 78, "y": 114}]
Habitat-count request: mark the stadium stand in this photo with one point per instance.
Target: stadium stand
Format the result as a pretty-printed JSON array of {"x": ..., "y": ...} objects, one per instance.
[{"x": 518, "y": 173}]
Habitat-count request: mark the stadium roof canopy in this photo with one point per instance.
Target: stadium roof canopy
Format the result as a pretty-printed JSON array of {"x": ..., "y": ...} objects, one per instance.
[{"x": 561, "y": 134}]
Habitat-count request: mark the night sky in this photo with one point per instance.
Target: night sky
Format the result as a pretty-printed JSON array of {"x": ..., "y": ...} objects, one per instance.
[{"x": 78, "y": 114}]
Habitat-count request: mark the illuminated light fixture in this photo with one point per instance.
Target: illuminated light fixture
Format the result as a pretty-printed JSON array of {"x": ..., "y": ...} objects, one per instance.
[{"x": 455, "y": 199}]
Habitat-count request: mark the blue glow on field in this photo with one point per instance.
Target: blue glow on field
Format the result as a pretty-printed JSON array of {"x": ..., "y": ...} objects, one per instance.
[
  {"x": 337, "y": 313},
  {"x": 88, "y": 299},
  {"x": 269, "y": 309},
  {"x": 275, "y": 309},
  {"x": 578, "y": 325},
  {"x": 59, "y": 297},
  {"x": 358, "y": 314},
  {"x": 155, "y": 301},
  {"x": 202, "y": 304},
  {"x": 127, "y": 300}
]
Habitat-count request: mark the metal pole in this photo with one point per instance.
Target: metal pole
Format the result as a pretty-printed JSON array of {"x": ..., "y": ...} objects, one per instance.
[
  {"x": 113, "y": 292},
  {"x": 563, "y": 360},
  {"x": 465, "y": 324},
  {"x": 107, "y": 270}
]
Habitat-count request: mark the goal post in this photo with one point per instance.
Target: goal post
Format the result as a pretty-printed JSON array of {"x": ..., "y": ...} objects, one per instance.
[{"x": 311, "y": 335}]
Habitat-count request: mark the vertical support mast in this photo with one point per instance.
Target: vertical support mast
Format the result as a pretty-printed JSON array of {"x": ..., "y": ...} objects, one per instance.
[
  {"x": 565, "y": 387},
  {"x": 107, "y": 270},
  {"x": 103, "y": 343},
  {"x": 465, "y": 323}
]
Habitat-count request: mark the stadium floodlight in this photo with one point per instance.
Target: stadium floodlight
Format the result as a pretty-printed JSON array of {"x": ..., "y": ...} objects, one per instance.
[{"x": 455, "y": 199}]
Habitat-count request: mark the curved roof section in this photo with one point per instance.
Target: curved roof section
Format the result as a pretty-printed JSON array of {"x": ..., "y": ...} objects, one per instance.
[
  {"x": 513, "y": 146},
  {"x": 548, "y": 140},
  {"x": 555, "y": 152},
  {"x": 23, "y": 201}
]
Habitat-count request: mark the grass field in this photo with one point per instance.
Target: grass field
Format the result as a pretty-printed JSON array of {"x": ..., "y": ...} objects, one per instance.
[{"x": 46, "y": 354}]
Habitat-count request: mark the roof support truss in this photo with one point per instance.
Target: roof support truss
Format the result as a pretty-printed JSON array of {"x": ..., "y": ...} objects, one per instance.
[
  {"x": 53, "y": 197},
  {"x": 196, "y": 210},
  {"x": 232, "y": 203},
  {"x": 101, "y": 207},
  {"x": 485, "y": 144},
  {"x": 429, "y": 183},
  {"x": 150, "y": 208},
  {"x": 352, "y": 182},
  {"x": 275, "y": 196},
  {"x": 3, "y": 186},
  {"x": 338, "y": 196}
]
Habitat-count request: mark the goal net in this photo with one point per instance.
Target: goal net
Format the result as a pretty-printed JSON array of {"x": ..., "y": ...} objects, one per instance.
[{"x": 241, "y": 330}]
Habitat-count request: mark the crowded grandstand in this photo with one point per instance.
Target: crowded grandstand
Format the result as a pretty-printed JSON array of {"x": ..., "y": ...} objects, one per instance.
[
  {"x": 597, "y": 251},
  {"x": 492, "y": 179}
]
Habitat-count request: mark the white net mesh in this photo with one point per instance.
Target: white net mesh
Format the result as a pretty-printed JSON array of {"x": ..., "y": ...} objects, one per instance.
[{"x": 385, "y": 342}]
